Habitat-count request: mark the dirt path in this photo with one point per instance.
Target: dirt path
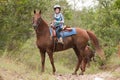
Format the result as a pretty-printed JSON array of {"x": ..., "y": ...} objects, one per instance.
[
  {"x": 99, "y": 76},
  {"x": 9, "y": 75},
  {"x": 111, "y": 75}
]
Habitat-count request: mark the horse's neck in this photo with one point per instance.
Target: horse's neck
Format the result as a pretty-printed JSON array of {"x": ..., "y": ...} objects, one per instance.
[{"x": 43, "y": 29}]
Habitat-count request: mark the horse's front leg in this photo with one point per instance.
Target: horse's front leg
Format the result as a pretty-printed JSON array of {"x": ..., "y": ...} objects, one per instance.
[
  {"x": 50, "y": 54},
  {"x": 42, "y": 52}
]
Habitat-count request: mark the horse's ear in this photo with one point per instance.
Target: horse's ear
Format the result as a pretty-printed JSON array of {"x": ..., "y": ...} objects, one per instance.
[
  {"x": 40, "y": 12},
  {"x": 34, "y": 11}
]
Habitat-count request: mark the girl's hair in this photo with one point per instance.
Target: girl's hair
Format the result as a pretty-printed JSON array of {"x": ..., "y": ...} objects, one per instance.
[{"x": 57, "y": 8}]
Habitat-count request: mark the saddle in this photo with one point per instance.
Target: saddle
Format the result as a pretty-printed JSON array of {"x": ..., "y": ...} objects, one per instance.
[{"x": 64, "y": 29}]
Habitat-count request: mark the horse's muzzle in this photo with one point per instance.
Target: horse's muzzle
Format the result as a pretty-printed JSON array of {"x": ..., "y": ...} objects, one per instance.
[{"x": 35, "y": 26}]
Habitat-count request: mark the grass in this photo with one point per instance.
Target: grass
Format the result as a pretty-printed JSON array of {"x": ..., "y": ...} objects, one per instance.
[
  {"x": 26, "y": 72},
  {"x": 116, "y": 74},
  {"x": 114, "y": 65},
  {"x": 93, "y": 69},
  {"x": 21, "y": 70}
]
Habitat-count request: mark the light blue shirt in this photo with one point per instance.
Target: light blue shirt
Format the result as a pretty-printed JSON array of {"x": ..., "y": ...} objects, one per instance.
[{"x": 59, "y": 19}]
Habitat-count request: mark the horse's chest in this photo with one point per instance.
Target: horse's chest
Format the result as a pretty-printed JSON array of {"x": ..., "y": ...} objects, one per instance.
[{"x": 43, "y": 43}]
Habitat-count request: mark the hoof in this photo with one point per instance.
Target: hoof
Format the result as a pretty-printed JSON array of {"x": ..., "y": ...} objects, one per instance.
[
  {"x": 74, "y": 73},
  {"x": 54, "y": 73},
  {"x": 81, "y": 74},
  {"x": 42, "y": 72}
]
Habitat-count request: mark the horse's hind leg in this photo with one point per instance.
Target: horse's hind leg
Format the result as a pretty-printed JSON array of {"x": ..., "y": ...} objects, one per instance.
[
  {"x": 83, "y": 66},
  {"x": 77, "y": 52}
]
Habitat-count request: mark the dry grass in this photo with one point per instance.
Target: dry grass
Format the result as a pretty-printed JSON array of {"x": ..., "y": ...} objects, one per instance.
[
  {"x": 14, "y": 70},
  {"x": 11, "y": 70}
]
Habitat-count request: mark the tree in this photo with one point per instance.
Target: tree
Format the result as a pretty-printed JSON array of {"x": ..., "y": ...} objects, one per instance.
[{"x": 16, "y": 21}]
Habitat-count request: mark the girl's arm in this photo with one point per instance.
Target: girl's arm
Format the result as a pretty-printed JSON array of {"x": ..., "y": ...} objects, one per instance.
[{"x": 62, "y": 21}]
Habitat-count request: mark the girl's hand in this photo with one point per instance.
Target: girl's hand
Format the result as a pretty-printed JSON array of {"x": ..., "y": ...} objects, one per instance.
[{"x": 54, "y": 21}]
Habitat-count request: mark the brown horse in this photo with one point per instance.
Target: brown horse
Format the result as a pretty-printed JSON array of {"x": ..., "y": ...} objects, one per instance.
[{"x": 78, "y": 42}]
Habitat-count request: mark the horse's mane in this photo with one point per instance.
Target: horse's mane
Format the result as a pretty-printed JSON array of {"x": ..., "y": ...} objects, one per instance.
[{"x": 44, "y": 22}]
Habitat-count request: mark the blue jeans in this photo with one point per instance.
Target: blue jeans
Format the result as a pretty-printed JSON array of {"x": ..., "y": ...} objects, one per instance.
[{"x": 58, "y": 30}]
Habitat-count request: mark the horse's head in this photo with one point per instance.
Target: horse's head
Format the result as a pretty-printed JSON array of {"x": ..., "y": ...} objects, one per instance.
[{"x": 36, "y": 19}]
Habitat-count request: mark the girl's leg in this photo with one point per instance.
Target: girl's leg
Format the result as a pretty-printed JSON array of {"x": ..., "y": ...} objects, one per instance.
[{"x": 58, "y": 30}]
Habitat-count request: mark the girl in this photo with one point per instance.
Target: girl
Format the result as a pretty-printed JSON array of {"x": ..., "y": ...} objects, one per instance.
[{"x": 58, "y": 22}]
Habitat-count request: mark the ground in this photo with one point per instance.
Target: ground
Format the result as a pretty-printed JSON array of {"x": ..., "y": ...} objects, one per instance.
[
  {"x": 10, "y": 70},
  {"x": 9, "y": 75}
]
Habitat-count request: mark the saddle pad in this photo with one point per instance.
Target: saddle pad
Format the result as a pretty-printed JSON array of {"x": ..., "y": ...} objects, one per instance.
[
  {"x": 65, "y": 33},
  {"x": 68, "y": 33}
]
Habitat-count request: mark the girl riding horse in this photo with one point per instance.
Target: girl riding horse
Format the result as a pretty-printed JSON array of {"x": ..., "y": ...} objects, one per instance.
[{"x": 58, "y": 22}]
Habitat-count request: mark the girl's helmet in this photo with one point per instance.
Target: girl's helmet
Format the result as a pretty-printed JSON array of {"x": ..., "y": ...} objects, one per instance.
[{"x": 57, "y": 6}]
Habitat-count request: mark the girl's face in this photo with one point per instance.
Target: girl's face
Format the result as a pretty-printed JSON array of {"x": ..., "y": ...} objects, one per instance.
[{"x": 57, "y": 10}]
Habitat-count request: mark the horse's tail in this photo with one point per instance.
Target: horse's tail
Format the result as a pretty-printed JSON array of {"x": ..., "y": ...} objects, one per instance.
[{"x": 96, "y": 44}]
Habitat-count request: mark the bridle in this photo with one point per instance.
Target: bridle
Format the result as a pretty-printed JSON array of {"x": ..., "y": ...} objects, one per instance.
[{"x": 37, "y": 24}]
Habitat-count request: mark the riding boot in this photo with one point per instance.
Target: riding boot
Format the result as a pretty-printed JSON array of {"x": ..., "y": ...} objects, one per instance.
[{"x": 60, "y": 40}]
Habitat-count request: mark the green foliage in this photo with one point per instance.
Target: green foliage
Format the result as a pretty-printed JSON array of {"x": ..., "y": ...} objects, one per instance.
[
  {"x": 16, "y": 22},
  {"x": 68, "y": 14},
  {"x": 117, "y": 4},
  {"x": 105, "y": 23}
]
